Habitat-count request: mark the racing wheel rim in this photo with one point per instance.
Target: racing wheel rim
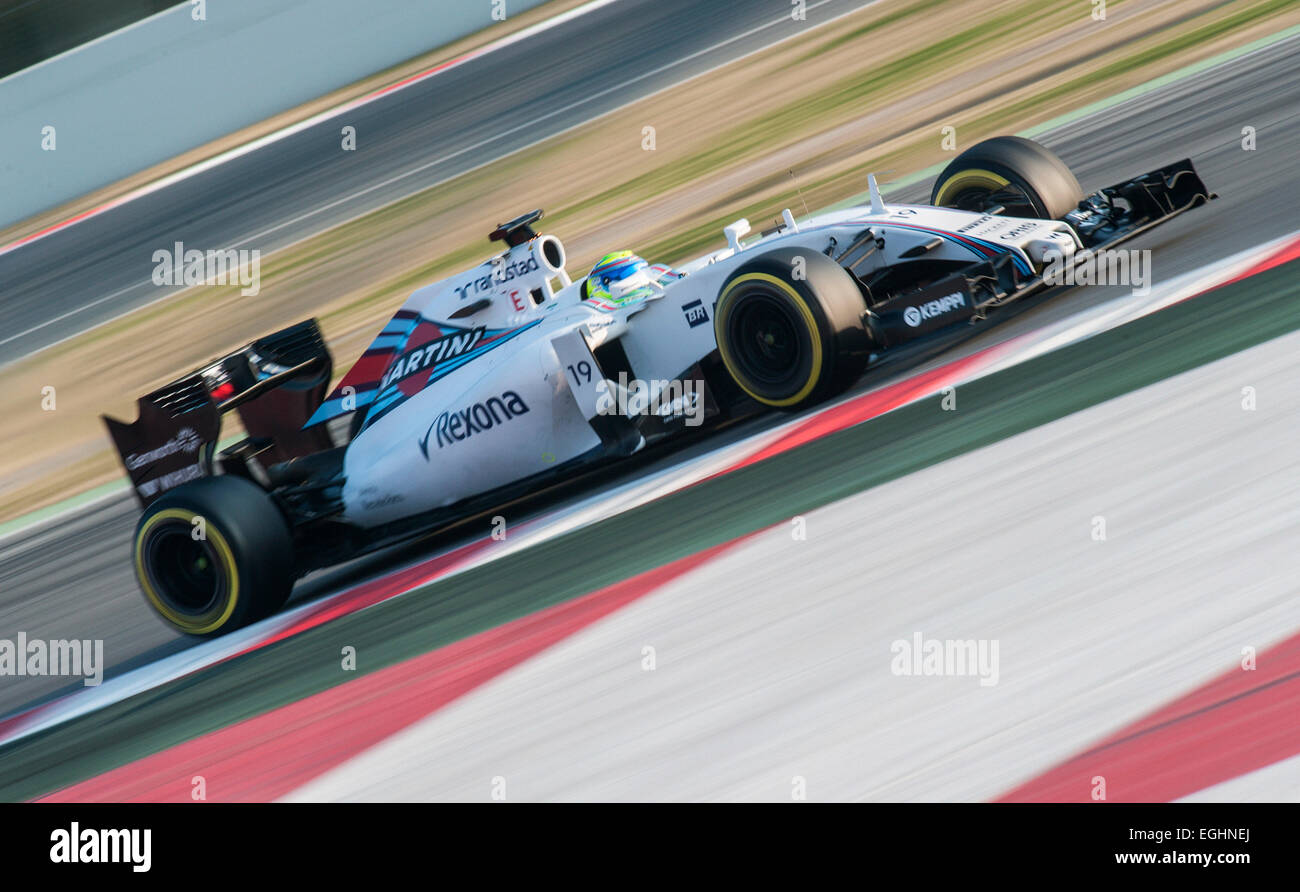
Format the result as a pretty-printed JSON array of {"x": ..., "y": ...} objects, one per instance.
[
  {"x": 769, "y": 340},
  {"x": 766, "y": 340},
  {"x": 192, "y": 582},
  {"x": 183, "y": 569}
]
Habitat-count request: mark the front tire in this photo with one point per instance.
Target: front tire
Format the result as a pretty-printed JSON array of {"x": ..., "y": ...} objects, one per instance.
[
  {"x": 1024, "y": 178},
  {"x": 213, "y": 555},
  {"x": 789, "y": 327}
]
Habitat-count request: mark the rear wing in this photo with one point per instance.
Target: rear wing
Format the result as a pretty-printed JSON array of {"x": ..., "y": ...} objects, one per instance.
[{"x": 274, "y": 383}]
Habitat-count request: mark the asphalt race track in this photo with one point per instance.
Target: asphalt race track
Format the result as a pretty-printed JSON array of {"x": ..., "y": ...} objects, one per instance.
[
  {"x": 413, "y": 138},
  {"x": 72, "y": 579}
]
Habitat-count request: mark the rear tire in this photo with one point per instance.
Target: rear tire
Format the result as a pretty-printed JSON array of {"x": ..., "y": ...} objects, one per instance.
[
  {"x": 1023, "y": 177},
  {"x": 213, "y": 555},
  {"x": 789, "y": 341}
]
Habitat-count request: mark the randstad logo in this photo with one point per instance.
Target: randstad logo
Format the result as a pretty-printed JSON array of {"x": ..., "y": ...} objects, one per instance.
[{"x": 499, "y": 273}]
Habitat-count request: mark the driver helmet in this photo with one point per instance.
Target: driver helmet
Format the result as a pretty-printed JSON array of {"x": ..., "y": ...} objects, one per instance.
[{"x": 619, "y": 276}]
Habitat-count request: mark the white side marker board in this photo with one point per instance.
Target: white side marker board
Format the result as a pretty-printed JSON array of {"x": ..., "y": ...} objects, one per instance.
[{"x": 580, "y": 371}]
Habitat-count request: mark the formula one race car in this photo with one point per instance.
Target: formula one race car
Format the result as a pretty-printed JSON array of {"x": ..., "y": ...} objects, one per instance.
[{"x": 495, "y": 382}]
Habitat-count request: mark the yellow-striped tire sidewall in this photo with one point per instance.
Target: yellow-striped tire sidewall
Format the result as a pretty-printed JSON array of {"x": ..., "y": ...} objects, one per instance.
[
  {"x": 725, "y": 305},
  {"x": 970, "y": 178},
  {"x": 201, "y": 624}
]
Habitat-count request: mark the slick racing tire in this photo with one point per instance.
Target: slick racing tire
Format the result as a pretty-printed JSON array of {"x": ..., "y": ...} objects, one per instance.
[
  {"x": 790, "y": 328},
  {"x": 1020, "y": 176},
  {"x": 213, "y": 555}
]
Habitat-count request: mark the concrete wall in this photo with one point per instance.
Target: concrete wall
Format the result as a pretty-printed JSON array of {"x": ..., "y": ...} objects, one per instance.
[
  {"x": 169, "y": 83},
  {"x": 32, "y": 31}
]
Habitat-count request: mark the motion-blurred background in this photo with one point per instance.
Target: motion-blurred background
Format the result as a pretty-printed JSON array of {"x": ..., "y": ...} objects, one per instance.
[{"x": 651, "y": 125}]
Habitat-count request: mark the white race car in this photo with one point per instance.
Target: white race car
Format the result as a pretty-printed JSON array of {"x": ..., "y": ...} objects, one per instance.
[{"x": 494, "y": 382}]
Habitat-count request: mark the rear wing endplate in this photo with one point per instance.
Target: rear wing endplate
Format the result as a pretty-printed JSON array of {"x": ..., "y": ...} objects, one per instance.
[{"x": 274, "y": 383}]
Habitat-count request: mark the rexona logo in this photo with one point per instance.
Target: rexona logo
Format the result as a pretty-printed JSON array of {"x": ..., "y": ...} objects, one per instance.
[
  {"x": 431, "y": 354},
  {"x": 914, "y": 316},
  {"x": 461, "y": 424}
]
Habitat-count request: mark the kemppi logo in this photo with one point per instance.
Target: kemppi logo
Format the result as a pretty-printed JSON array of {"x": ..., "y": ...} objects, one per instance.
[{"x": 914, "y": 316}]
